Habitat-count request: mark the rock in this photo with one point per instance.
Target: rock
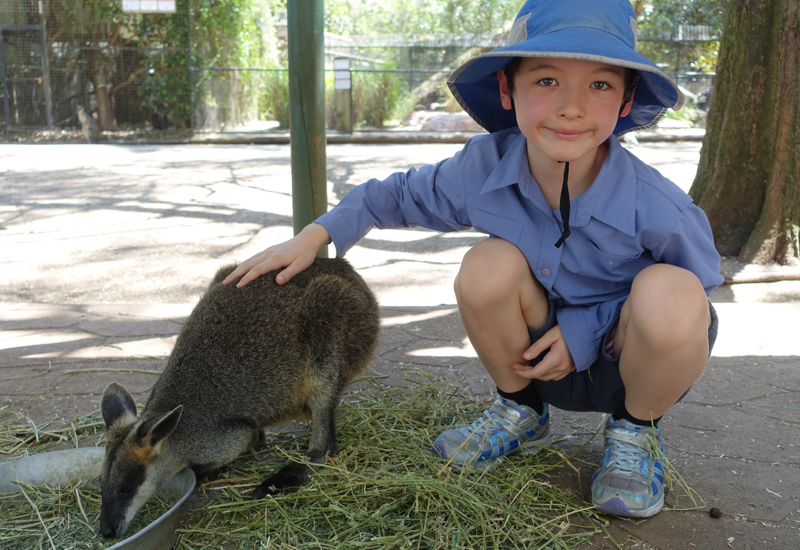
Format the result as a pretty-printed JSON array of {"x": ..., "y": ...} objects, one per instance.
[{"x": 455, "y": 122}]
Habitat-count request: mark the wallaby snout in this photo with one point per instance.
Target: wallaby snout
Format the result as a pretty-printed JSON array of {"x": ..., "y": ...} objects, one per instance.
[{"x": 245, "y": 359}]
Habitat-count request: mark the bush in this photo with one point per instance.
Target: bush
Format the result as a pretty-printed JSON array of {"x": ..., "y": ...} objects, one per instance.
[
  {"x": 274, "y": 101},
  {"x": 377, "y": 97}
]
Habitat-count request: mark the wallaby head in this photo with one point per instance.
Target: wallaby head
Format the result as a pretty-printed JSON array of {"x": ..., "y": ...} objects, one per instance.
[{"x": 136, "y": 464}]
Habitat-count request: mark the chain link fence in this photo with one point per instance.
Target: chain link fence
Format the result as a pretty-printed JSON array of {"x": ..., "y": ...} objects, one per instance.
[{"x": 125, "y": 70}]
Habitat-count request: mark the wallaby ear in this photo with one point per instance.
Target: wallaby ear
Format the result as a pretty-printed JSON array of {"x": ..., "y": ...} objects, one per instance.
[
  {"x": 117, "y": 405},
  {"x": 159, "y": 427}
]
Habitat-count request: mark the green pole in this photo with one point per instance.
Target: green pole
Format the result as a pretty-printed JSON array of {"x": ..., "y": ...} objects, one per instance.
[{"x": 307, "y": 112}]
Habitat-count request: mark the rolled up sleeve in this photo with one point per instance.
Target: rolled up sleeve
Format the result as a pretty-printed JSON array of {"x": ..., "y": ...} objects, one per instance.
[
  {"x": 584, "y": 327},
  {"x": 690, "y": 244}
]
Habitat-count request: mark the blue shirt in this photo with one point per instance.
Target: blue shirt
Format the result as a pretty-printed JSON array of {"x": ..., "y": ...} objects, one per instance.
[{"x": 629, "y": 218}]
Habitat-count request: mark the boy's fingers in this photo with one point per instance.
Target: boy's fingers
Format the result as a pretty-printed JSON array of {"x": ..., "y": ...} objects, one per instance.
[
  {"x": 254, "y": 269},
  {"x": 538, "y": 346},
  {"x": 243, "y": 268},
  {"x": 251, "y": 275},
  {"x": 291, "y": 270}
]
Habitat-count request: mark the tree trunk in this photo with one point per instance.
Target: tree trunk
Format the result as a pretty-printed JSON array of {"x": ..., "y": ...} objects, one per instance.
[
  {"x": 105, "y": 100},
  {"x": 638, "y": 7},
  {"x": 748, "y": 179}
]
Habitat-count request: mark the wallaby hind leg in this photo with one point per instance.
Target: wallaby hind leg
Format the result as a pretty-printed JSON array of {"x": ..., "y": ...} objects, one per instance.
[{"x": 323, "y": 399}]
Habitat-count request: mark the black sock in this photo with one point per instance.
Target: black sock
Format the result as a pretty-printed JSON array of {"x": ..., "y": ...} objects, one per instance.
[
  {"x": 526, "y": 396},
  {"x": 622, "y": 413}
]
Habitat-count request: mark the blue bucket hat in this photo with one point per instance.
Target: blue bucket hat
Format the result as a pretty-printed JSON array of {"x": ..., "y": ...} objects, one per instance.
[{"x": 592, "y": 30}]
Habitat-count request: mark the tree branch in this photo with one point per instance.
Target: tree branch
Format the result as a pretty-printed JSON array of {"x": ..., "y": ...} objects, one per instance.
[{"x": 129, "y": 80}]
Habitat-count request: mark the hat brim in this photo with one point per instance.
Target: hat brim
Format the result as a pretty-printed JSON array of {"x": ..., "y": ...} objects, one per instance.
[{"x": 476, "y": 88}]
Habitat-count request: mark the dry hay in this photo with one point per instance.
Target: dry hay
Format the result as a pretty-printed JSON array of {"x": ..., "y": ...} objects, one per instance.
[{"x": 383, "y": 490}]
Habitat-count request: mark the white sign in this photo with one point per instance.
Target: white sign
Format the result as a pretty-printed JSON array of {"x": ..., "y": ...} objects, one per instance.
[
  {"x": 148, "y": 6},
  {"x": 341, "y": 74}
]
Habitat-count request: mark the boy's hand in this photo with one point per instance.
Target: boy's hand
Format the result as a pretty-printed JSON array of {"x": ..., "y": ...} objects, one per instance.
[
  {"x": 295, "y": 255},
  {"x": 555, "y": 365}
]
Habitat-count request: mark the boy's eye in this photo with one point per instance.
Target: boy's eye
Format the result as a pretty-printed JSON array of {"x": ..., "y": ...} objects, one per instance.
[
  {"x": 601, "y": 85},
  {"x": 547, "y": 82}
]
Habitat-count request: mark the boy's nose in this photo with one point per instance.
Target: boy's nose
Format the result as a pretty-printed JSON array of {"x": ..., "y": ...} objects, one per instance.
[{"x": 571, "y": 105}]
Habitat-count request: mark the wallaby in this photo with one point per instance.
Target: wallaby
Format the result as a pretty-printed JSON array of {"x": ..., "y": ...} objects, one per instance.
[
  {"x": 246, "y": 358},
  {"x": 89, "y": 126}
]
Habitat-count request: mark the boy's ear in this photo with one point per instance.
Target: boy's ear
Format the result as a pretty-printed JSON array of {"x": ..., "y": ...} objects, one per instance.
[
  {"x": 627, "y": 101},
  {"x": 505, "y": 96}
]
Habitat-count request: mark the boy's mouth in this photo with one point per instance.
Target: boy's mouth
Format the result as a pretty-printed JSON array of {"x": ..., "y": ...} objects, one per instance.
[{"x": 566, "y": 134}]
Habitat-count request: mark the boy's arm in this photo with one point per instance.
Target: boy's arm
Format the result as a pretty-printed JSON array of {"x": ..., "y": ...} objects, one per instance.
[
  {"x": 433, "y": 197},
  {"x": 295, "y": 255},
  {"x": 690, "y": 245}
]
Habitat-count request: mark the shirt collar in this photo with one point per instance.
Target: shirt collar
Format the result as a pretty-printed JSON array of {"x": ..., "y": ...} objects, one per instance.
[
  {"x": 611, "y": 199},
  {"x": 509, "y": 170}
]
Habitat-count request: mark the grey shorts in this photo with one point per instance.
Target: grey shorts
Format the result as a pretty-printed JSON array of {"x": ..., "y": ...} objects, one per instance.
[{"x": 598, "y": 388}]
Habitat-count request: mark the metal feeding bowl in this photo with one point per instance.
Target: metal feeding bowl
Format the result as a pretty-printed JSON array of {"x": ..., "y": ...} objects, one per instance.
[{"x": 60, "y": 467}]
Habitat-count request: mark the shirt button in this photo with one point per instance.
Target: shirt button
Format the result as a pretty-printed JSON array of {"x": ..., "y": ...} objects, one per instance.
[{"x": 546, "y": 272}]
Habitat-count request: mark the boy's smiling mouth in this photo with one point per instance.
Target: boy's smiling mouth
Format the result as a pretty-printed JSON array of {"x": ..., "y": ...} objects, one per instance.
[{"x": 566, "y": 134}]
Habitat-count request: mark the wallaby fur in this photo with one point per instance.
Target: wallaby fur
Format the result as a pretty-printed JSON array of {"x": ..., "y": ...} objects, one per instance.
[
  {"x": 246, "y": 358},
  {"x": 89, "y": 126}
]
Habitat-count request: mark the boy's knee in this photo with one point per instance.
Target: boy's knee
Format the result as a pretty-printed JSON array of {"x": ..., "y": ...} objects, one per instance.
[
  {"x": 669, "y": 300},
  {"x": 491, "y": 267}
]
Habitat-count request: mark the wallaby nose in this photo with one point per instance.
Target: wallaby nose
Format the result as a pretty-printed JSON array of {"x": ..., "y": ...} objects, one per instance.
[{"x": 107, "y": 530}]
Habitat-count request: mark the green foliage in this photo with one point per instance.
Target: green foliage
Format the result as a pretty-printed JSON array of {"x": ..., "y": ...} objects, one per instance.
[
  {"x": 377, "y": 97},
  {"x": 225, "y": 34},
  {"x": 274, "y": 98},
  {"x": 661, "y": 17},
  {"x": 418, "y": 16},
  {"x": 658, "y": 29},
  {"x": 233, "y": 34},
  {"x": 163, "y": 85}
]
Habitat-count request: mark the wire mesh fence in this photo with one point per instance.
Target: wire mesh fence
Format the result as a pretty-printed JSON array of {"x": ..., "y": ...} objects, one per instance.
[
  {"x": 127, "y": 69},
  {"x": 207, "y": 66}
]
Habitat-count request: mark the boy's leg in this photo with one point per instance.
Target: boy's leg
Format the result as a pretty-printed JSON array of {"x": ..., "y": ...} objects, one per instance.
[
  {"x": 662, "y": 344},
  {"x": 661, "y": 339},
  {"x": 498, "y": 299}
]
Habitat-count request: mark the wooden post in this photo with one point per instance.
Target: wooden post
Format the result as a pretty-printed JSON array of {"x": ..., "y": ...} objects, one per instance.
[
  {"x": 343, "y": 98},
  {"x": 307, "y": 112}
]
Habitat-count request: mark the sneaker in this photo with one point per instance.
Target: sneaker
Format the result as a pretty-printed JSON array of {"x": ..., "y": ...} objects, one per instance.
[
  {"x": 630, "y": 481},
  {"x": 505, "y": 429}
]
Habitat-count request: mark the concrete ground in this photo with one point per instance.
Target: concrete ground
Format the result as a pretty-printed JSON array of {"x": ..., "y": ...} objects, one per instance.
[{"x": 106, "y": 248}]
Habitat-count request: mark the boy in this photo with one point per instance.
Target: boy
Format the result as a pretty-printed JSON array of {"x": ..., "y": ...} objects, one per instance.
[{"x": 591, "y": 294}]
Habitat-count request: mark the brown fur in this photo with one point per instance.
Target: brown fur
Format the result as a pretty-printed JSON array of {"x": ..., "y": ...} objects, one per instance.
[
  {"x": 143, "y": 454},
  {"x": 246, "y": 359},
  {"x": 89, "y": 126}
]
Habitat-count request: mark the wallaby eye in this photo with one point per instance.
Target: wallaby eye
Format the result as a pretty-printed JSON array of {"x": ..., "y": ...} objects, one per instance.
[{"x": 128, "y": 489}]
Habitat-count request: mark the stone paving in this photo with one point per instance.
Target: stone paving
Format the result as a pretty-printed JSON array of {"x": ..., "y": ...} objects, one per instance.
[{"x": 106, "y": 248}]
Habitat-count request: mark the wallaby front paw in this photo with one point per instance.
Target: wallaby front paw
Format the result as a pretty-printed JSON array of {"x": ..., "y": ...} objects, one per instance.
[{"x": 287, "y": 480}]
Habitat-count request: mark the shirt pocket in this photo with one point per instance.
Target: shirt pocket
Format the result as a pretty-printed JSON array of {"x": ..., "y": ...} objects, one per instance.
[
  {"x": 603, "y": 275},
  {"x": 497, "y": 226}
]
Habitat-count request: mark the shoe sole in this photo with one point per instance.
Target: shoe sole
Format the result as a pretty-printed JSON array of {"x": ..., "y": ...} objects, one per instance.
[{"x": 616, "y": 507}]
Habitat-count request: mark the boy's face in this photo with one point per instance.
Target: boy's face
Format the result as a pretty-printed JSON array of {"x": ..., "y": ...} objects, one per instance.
[{"x": 565, "y": 108}]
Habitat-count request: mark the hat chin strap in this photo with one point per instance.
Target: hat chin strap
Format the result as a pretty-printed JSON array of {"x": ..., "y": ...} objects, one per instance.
[{"x": 564, "y": 206}]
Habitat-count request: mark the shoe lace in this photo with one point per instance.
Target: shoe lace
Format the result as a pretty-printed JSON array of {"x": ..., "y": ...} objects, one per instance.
[
  {"x": 491, "y": 420},
  {"x": 627, "y": 456}
]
